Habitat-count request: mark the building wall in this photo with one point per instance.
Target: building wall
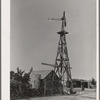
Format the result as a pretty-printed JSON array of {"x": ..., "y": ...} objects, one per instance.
[
  {"x": 48, "y": 86},
  {"x": 51, "y": 84},
  {"x": 35, "y": 81},
  {"x": 80, "y": 84}
]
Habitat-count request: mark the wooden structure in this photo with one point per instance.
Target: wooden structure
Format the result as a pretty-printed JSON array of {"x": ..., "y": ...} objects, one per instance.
[
  {"x": 46, "y": 84},
  {"x": 62, "y": 65},
  {"x": 79, "y": 83}
]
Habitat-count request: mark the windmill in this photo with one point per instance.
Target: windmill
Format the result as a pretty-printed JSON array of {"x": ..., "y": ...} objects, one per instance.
[{"x": 62, "y": 65}]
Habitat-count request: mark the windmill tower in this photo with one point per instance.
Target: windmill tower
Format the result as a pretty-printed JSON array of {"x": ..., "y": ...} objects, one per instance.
[{"x": 62, "y": 65}]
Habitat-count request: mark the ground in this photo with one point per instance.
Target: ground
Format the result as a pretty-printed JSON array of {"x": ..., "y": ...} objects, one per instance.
[{"x": 88, "y": 94}]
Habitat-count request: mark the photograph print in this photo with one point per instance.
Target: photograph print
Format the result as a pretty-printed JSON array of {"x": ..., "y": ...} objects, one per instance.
[{"x": 53, "y": 47}]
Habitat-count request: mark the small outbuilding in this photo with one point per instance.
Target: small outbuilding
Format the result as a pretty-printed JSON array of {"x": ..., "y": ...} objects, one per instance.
[
  {"x": 79, "y": 83},
  {"x": 46, "y": 82}
]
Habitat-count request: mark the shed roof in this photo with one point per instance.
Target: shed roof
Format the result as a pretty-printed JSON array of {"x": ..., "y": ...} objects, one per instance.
[
  {"x": 80, "y": 80},
  {"x": 43, "y": 73}
]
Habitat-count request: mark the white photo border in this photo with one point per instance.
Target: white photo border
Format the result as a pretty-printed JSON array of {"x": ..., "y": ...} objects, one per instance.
[{"x": 5, "y": 49}]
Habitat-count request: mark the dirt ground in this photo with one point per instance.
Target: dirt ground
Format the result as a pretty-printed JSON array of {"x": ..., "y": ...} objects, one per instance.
[{"x": 88, "y": 94}]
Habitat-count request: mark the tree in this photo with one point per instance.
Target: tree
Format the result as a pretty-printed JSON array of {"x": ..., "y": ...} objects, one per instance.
[
  {"x": 12, "y": 73},
  {"x": 13, "y": 84},
  {"x": 19, "y": 82},
  {"x": 93, "y": 81}
]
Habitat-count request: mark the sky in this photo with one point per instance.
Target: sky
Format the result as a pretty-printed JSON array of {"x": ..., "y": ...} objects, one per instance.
[{"x": 34, "y": 39}]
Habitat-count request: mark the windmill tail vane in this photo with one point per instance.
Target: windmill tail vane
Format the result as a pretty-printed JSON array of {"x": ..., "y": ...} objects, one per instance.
[{"x": 53, "y": 19}]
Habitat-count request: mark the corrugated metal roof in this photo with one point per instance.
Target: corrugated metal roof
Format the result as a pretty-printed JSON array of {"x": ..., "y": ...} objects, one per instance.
[{"x": 43, "y": 73}]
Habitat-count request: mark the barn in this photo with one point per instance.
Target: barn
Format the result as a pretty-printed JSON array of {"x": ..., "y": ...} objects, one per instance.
[{"x": 46, "y": 82}]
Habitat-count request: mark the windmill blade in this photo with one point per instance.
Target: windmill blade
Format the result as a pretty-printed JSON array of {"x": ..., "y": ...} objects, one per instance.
[
  {"x": 65, "y": 21},
  {"x": 48, "y": 64},
  {"x": 64, "y": 14}
]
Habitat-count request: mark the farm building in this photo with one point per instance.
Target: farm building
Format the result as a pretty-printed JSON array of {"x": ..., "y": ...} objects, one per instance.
[
  {"x": 46, "y": 82},
  {"x": 79, "y": 83}
]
